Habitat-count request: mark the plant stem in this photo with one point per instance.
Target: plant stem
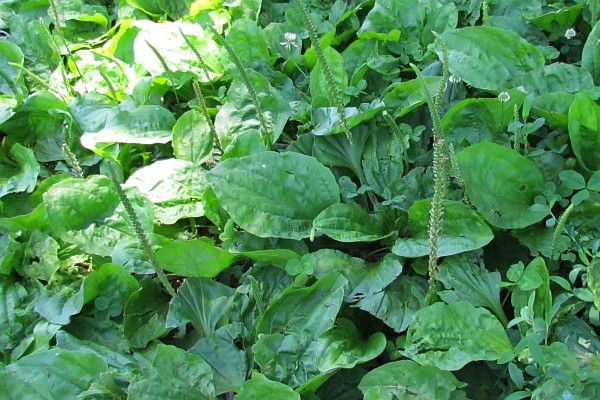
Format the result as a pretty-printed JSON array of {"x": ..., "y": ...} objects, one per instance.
[
  {"x": 141, "y": 233},
  {"x": 337, "y": 97},
  {"x": 266, "y": 134},
  {"x": 204, "y": 109}
]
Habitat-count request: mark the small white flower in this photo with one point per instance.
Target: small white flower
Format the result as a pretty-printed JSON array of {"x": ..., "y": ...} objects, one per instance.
[
  {"x": 504, "y": 97},
  {"x": 570, "y": 33},
  {"x": 290, "y": 40},
  {"x": 454, "y": 78}
]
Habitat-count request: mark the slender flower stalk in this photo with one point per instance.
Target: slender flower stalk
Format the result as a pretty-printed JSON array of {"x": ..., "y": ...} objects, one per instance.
[
  {"x": 204, "y": 109},
  {"x": 264, "y": 126},
  {"x": 141, "y": 234},
  {"x": 337, "y": 97},
  {"x": 441, "y": 168},
  {"x": 72, "y": 160}
]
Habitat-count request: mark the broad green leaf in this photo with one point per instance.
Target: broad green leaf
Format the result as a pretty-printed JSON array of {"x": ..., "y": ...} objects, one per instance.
[
  {"x": 88, "y": 213},
  {"x": 259, "y": 387},
  {"x": 55, "y": 374},
  {"x": 167, "y": 38},
  {"x": 408, "y": 95},
  {"x": 345, "y": 347},
  {"x": 174, "y": 374},
  {"x": 466, "y": 279},
  {"x": 397, "y": 303},
  {"x": 176, "y": 188},
  {"x": 274, "y": 195},
  {"x": 38, "y": 121},
  {"x": 320, "y": 88},
  {"x": 491, "y": 58},
  {"x": 451, "y": 335},
  {"x": 336, "y": 150},
  {"x": 103, "y": 75},
  {"x": 12, "y": 300},
  {"x": 501, "y": 184},
  {"x": 58, "y": 307},
  {"x": 40, "y": 258},
  {"x": 327, "y": 119},
  {"x": 196, "y": 257},
  {"x": 584, "y": 123},
  {"x": 147, "y": 124},
  {"x": 229, "y": 363},
  {"x": 109, "y": 287},
  {"x": 406, "y": 380},
  {"x": 558, "y": 21},
  {"x": 594, "y": 282},
  {"x": 568, "y": 78},
  {"x": 248, "y": 42},
  {"x": 477, "y": 120},
  {"x": 351, "y": 223},
  {"x": 21, "y": 177},
  {"x": 288, "y": 345},
  {"x": 114, "y": 357},
  {"x": 11, "y": 79},
  {"x": 159, "y": 7},
  {"x": 382, "y": 162},
  {"x": 590, "y": 57},
  {"x": 192, "y": 138},
  {"x": 305, "y": 311},
  {"x": 145, "y": 314},
  {"x": 462, "y": 230},
  {"x": 202, "y": 302},
  {"x": 366, "y": 280},
  {"x": 554, "y": 108},
  {"x": 239, "y": 114}
]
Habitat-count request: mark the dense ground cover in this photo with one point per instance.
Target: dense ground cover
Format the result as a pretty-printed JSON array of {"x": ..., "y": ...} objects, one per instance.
[{"x": 311, "y": 199}]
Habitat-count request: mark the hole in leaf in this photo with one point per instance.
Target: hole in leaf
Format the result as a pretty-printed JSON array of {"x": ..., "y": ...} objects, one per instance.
[{"x": 522, "y": 188}]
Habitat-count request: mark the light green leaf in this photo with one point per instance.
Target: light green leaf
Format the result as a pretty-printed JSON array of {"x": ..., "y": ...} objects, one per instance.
[
  {"x": 382, "y": 162},
  {"x": 594, "y": 282},
  {"x": 192, "y": 138},
  {"x": 147, "y": 124},
  {"x": 239, "y": 115},
  {"x": 558, "y": 21},
  {"x": 174, "y": 374},
  {"x": 201, "y": 301},
  {"x": 478, "y": 120},
  {"x": 320, "y": 88},
  {"x": 21, "y": 177},
  {"x": 327, "y": 119},
  {"x": 451, "y": 335},
  {"x": 55, "y": 374},
  {"x": 590, "y": 57},
  {"x": 467, "y": 280},
  {"x": 351, "y": 223},
  {"x": 259, "y": 387},
  {"x": 248, "y": 42},
  {"x": 462, "y": 230},
  {"x": 584, "y": 131},
  {"x": 405, "y": 380},
  {"x": 88, "y": 213},
  {"x": 501, "y": 184},
  {"x": 11, "y": 78},
  {"x": 274, "y": 195},
  {"x": 196, "y": 257},
  {"x": 366, "y": 280},
  {"x": 408, "y": 95},
  {"x": 176, "y": 188},
  {"x": 397, "y": 304},
  {"x": 491, "y": 58},
  {"x": 166, "y": 37}
]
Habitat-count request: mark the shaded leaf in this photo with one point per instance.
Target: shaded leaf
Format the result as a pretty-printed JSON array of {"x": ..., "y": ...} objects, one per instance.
[{"x": 351, "y": 223}]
